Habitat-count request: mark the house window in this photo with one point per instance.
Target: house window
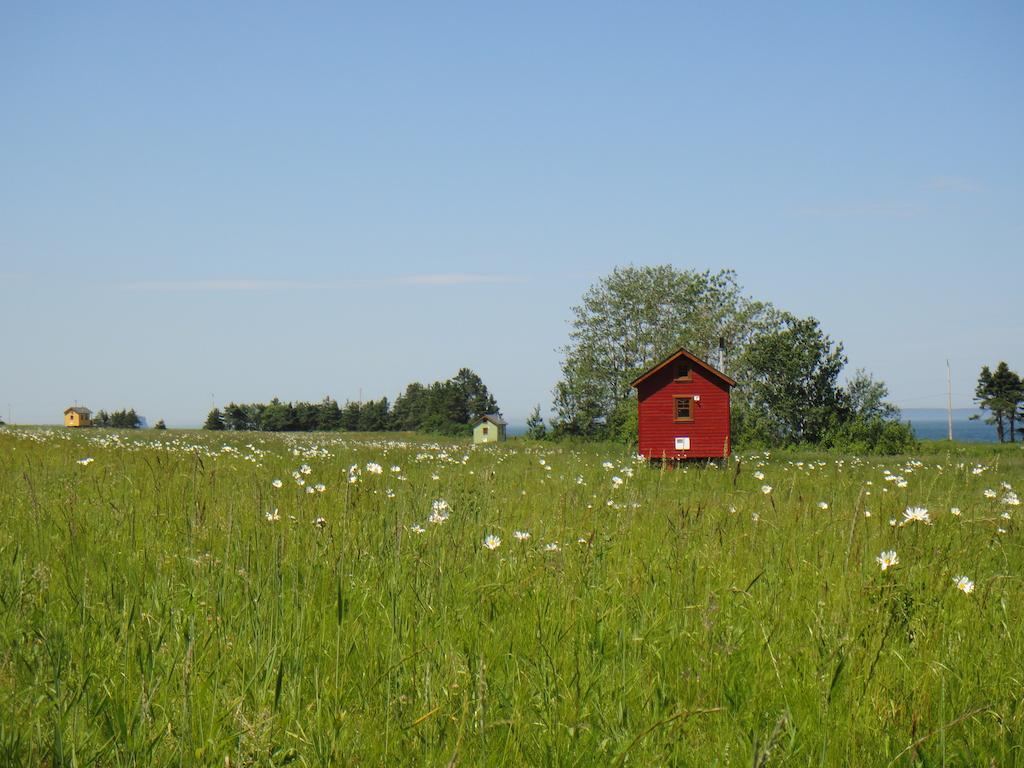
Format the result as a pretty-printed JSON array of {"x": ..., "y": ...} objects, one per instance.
[
  {"x": 683, "y": 408},
  {"x": 682, "y": 370},
  {"x": 485, "y": 430}
]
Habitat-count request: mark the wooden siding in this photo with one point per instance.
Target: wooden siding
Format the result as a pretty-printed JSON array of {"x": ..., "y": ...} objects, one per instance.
[
  {"x": 75, "y": 419},
  {"x": 708, "y": 429},
  {"x": 495, "y": 432}
]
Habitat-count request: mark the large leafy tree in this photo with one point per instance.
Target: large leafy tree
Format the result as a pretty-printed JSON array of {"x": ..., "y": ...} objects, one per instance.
[
  {"x": 792, "y": 395},
  {"x": 634, "y": 317},
  {"x": 787, "y": 368},
  {"x": 865, "y": 397}
]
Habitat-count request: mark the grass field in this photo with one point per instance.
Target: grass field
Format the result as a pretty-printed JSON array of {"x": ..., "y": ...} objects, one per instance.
[{"x": 163, "y": 603}]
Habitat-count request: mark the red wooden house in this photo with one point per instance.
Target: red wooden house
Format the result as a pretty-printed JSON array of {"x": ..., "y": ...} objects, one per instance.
[{"x": 683, "y": 406}]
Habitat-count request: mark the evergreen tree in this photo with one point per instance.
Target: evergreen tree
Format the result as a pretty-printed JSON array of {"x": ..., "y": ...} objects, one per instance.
[
  {"x": 473, "y": 392},
  {"x": 350, "y": 416},
  {"x": 214, "y": 420},
  {"x": 328, "y": 415},
  {"x": 123, "y": 419},
  {"x": 535, "y": 428},
  {"x": 411, "y": 408},
  {"x": 374, "y": 416},
  {"x": 1013, "y": 387},
  {"x": 1001, "y": 393},
  {"x": 278, "y": 417},
  {"x": 235, "y": 417},
  {"x": 160, "y": 425}
]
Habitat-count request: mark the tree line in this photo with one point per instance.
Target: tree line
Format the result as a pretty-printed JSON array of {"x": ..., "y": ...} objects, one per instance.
[
  {"x": 444, "y": 407},
  {"x": 1001, "y": 393},
  {"x": 123, "y": 419}
]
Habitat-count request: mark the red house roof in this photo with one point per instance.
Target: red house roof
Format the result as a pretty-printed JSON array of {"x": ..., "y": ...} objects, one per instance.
[{"x": 682, "y": 352}]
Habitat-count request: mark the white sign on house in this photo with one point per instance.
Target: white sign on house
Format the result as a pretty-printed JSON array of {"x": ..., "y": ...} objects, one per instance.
[{"x": 682, "y": 443}]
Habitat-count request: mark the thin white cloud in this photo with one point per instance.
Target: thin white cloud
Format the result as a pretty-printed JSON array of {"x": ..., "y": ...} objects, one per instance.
[
  {"x": 221, "y": 286},
  {"x": 954, "y": 184},
  {"x": 456, "y": 279},
  {"x": 247, "y": 285},
  {"x": 862, "y": 210}
]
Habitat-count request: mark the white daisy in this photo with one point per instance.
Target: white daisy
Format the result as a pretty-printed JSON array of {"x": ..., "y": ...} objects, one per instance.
[
  {"x": 887, "y": 559},
  {"x": 916, "y": 515},
  {"x": 964, "y": 584}
]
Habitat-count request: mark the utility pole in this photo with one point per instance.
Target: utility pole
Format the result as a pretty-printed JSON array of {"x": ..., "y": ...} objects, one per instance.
[{"x": 949, "y": 401}]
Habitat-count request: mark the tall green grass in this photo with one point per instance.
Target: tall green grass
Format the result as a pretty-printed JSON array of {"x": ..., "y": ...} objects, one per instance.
[{"x": 151, "y": 614}]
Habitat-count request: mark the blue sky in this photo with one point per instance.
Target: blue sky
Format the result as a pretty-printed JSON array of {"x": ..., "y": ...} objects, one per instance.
[{"x": 243, "y": 200}]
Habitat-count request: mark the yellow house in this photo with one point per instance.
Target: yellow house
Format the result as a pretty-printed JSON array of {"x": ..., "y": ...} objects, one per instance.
[
  {"x": 489, "y": 428},
  {"x": 77, "y": 416}
]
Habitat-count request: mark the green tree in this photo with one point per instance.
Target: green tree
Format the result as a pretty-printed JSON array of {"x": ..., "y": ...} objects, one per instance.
[
  {"x": 160, "y": 425},
  {"x": 1001, "y": 393},
  {"x": 235, "y": 417},
  {"x": 411, "y": 408},
  {"x": 635, "y": 316},
  {"x": 791, "y": 395},
  {"x": 865, "y": 397},
  {"x": 444, "y": 407},
  {"x": 124, "y": 419},
  {"x": 535, "y": 428},
  {"x": 374, "y": 416},
  {"x": 278, "y": 417},
  {"x": 474, "y": 393},
  {"x": 328, "y": 415},
  {"x": 350, "y": 416},
  {"x": 214, "y": 420},
  {"x": 865, "y": 421}
]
